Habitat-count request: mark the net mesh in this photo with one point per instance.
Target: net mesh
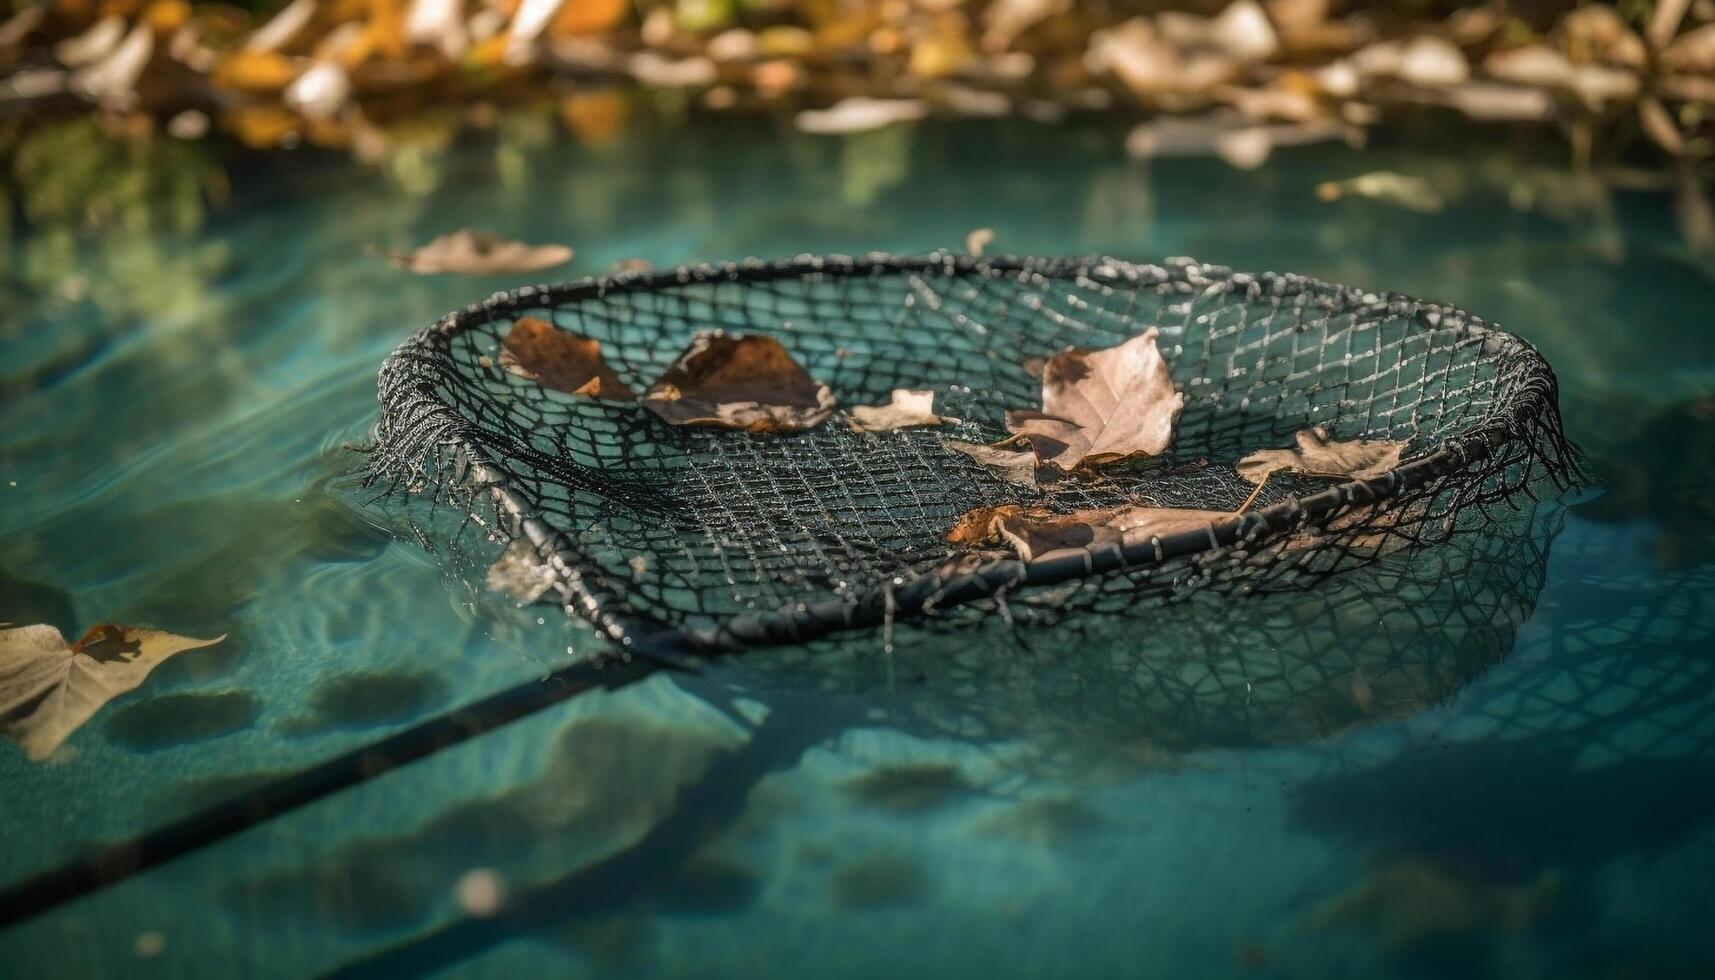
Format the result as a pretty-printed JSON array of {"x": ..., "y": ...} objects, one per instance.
[{"x": 721, "y": 539}]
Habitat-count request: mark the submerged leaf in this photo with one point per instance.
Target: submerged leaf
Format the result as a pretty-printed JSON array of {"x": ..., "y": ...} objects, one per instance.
[
  {"x": 749, "y": 383},
  {"x": 978, "y": 240},
  {"x": 479, "y": 254},
  {"x": 520, "y": 573},
  {"x": 1319, "y": 454},
  {"x": 1102, "y": 406},
  {"x": 1012, "y": 465},
  {"x": 1035, "y": 532},
  {"x": 559, "y": 359},
  {"x": 49, "y": 688},
  {"x": 907, "y": 409}
]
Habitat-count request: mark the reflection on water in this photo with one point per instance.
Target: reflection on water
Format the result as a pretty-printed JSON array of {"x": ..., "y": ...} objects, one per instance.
[{"x": 1481, "y": 761}]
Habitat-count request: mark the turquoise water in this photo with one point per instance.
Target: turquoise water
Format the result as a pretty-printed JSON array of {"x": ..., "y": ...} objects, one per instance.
[{"x": 177, "y": 386}]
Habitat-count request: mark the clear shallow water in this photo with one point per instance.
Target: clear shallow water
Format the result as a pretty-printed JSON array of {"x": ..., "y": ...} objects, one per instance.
[{"x": 176, "y": 394}]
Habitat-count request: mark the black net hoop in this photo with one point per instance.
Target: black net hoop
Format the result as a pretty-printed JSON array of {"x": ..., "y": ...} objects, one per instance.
[{"x": 713, "y": 539}]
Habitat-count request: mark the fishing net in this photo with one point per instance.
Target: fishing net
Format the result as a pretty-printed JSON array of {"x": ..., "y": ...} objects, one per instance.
[{"x": 704, "y": 539}]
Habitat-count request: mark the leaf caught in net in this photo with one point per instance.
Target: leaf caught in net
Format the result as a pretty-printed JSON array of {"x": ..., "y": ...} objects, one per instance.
[
  {"x": 1102, "y": 406},
  {"x": 478, "y": 253},
  {"x": 1319, "y": 454},
  {"x": 1034, "y": 532},
  {"x": 49, "y": 688},
  {"x": 1012, "y": 465},
  {"x": 564, "y": 361},
  {"x": 907, "y": 409},
  {"x": 749, "y": 383}
]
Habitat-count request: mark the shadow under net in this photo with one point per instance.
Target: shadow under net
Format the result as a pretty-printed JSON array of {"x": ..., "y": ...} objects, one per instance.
[{"x": 706, "y": 540}]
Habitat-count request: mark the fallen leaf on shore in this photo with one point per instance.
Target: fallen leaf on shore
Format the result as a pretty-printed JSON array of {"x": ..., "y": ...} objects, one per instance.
[
  {"x": 907, "y": 409},
  {"x": 49, "y": 688},
  {"x": 1102, "y": 406},
  {"x": 1319, "y": 454},
  {"x": 749, "y": 383},
  {"x": 1035, "y": 532},
  {"x": 1012, "y": 465},
  {"x": 478, "y": 253},
  {"x": 559, "y": 359}
]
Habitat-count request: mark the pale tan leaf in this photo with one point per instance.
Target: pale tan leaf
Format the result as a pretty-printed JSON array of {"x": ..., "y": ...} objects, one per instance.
[
  {"x": 479, "y": 254},
  {"x": 749, "y": 383},
  {"x": 1102, "y": 406},
  {"x": 859, "y": 113},
  {"x": 49, "y": 688},
  {"x": 978, "y": 240},
  {"x": 1405, "y": 190},
  {"x": 559, "y": 359},
  {"x": 1012, "y": 465},
  {"x": 1319, "y": 454},
  {"x": 1036, "y": 532},
  {"x": 907, "y": 409}
]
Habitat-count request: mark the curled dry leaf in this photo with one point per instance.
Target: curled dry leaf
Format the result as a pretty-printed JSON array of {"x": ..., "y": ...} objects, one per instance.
[
  {"x": 559, "y": 359},
  {"x": 520, "y": 573},
  {"x": 1102, "y": 406},
  {"x": 1012, "y": 465},
  {"x": 1319, "y": 454},
  {"x": 478, "y": 253},
  {"x": 907, "y": 409},
  {"x": 1035, "y": 532},
  {"x": 749, "y": 383},
  {"x": 49, "y": 688}
]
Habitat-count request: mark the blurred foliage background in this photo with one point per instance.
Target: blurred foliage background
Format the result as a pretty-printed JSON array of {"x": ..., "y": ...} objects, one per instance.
[{"x": 125, "y": 115}]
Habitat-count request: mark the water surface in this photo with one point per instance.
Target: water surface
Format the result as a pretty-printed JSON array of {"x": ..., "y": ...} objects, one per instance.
[{"x": 178, "y": 381}]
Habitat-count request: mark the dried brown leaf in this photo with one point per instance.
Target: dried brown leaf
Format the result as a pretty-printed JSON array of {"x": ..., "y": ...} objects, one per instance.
[
  {"x": 977, "y": 526},
  {"x": 907, "y": 409},
  {"x": 49, "y": 688},
  {"x": 1036, "y": 532},
  {"x": 1012, "y": 465},
  {"x": 1319, "y": 454},
  {"x": 478, "y": 253},
  {"x": 749, "y": 383},
  {"x": 559, "y": 359},
  {"x": 1102, "y": 406}
]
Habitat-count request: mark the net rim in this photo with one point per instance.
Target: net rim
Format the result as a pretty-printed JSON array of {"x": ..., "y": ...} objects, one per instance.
[{"x": 1531, "y": 407}]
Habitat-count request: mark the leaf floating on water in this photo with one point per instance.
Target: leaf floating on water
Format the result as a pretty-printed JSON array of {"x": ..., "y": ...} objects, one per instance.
[
  {"x": 1407, "y": 191},
  {"x": 49, "y": 688},
  {"x": 476, "y": 253},
  {"x": 1012, "y": 465},
  {"x": 1319, "y": 454},
  {"x": 1102, "y": 406},
  {"x": 749, "y": 383},
  {"x": 907, "y": 409},
  {"x": 859, "y": 114},
  {"x": 559, "y": 359},
  {"x": 1035, "y": 532},
  {"x": 520, "y": 573},
  {"x": 978, "y": 240}
]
